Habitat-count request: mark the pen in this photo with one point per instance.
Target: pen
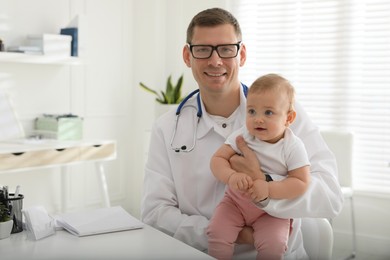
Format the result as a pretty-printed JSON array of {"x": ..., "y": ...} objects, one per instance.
[
  {"x": 5, "y": 193},
  {"x": 5, "y": 188},
  {"x": 16, "y": 194}
]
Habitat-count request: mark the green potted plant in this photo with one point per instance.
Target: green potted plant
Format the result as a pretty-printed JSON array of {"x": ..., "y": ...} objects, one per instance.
[
  {"x": 172, "y": 93},
  {"x": 6, "y": 222}
]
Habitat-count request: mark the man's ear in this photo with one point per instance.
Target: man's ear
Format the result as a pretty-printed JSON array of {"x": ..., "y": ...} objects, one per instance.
[
  {"x": 242, "y": 55},
  {"x": 186, "y": 56},
  {"x": 291, "y": 117}
]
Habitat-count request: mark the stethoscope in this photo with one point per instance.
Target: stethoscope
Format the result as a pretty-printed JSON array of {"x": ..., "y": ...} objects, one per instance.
[{"x": 199, "y": 114}]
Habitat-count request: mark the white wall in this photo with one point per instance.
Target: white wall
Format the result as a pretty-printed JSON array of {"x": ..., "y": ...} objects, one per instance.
[{"x": 127, "y": 42}]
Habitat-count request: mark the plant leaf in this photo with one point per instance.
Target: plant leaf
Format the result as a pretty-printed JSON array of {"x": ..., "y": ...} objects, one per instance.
[
  {"x": 177, "y": 92},
  {"x": 165, "y": 96},
  {"x": 172, "y": 94},
  {"x": 148, "y": 89},
  {"x": 169, "y": 91}
]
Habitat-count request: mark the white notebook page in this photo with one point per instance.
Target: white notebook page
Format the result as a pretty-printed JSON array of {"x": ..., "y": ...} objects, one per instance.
[{"x": 98, "y": 221}]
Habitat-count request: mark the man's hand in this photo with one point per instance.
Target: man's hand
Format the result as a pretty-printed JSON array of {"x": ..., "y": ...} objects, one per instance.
[{"x": 247, "y": 162}]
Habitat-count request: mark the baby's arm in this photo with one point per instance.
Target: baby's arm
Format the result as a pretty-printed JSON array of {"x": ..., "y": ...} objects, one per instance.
[
  {"x": 222, "y": 170},
  {"x": 292, "y": 187}
]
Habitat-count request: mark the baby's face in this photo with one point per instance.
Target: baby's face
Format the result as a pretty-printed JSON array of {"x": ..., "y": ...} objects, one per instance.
[{"x": 267, "y": 115}]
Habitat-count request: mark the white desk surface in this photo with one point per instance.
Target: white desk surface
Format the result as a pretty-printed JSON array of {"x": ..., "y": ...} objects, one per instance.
[{"x": 146, "y": 243}]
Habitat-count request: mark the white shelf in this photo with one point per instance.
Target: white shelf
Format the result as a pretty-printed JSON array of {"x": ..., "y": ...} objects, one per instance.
[{"x": 14, "y": 57}]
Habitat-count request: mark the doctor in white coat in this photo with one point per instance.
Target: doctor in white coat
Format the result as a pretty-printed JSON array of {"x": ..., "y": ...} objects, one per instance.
[{"x": 180, "y": 192}]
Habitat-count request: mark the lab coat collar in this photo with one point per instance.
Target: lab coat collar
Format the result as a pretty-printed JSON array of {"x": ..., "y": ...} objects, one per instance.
[{"x": 206, "y": 123}]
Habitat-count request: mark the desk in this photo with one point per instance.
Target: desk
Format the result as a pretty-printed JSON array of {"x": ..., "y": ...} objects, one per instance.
[
  {"x": 25, "y": 154},
  {"x": 140, "y": 244}
]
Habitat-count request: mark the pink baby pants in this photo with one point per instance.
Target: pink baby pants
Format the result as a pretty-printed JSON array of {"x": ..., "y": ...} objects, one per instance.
[{"x": 236, "y": 211}]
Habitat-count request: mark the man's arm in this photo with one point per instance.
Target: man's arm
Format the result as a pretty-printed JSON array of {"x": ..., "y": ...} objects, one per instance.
[{"x": 160, "y": 206}]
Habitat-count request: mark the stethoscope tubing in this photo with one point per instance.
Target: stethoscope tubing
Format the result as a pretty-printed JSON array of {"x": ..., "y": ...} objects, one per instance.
[
  {"x": 184, "y": 101},
  {"x": 199, "y": 114}
]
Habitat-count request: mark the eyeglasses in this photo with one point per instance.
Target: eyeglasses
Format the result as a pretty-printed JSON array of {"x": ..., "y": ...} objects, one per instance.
[{"x": 224, "y": 51}]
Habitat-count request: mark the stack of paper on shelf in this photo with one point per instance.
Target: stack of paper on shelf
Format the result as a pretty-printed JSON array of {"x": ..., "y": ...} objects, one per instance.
[
  {"x": 52, "y": 44},
  {"x": 98, "y": 221},
  {"x": 26, "y": 49}
]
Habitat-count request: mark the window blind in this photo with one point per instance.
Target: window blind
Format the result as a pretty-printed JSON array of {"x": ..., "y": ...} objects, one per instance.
[{"x": 337, "y": 55}]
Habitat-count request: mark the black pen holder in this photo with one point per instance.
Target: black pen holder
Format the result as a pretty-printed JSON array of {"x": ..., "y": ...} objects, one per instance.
[{"x": 15, "y": 206}]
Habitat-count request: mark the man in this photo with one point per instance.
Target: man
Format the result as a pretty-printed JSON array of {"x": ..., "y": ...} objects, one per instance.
[{"x": 180, "y": 192}]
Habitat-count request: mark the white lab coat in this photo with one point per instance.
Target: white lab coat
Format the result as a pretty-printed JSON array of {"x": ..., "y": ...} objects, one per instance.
[{"x": 181, "y": 193}]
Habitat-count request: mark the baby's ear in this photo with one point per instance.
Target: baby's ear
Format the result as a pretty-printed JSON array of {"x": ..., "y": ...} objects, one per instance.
[{"x": 291, "y": 117}]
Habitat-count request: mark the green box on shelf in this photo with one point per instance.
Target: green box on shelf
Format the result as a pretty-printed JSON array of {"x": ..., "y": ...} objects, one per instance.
[{"x": 60, "y": 127}]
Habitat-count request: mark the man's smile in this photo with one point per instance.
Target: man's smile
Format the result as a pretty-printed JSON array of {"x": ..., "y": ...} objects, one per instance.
[{"x": 215, "y": 74}]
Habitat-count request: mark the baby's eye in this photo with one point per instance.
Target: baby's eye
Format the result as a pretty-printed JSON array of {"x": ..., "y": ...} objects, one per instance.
[
  {"x": 268, "y": 113},
  {"x": 251, "y": 112}
]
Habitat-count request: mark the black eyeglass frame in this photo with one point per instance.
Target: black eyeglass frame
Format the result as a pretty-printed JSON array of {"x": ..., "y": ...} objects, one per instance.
[{"x": 214, "y": 48}]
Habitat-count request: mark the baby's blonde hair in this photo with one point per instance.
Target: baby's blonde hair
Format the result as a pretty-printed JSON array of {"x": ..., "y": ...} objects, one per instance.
[{"x": 275, "y": 83}]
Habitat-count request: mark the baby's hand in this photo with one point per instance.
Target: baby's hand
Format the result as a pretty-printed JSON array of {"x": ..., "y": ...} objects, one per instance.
[
  {"x": 240, "y": 181},
  {"x": 259, "y": 190}
]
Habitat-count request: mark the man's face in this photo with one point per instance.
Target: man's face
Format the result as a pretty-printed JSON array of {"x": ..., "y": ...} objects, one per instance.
[{"x": 215, "y": 74}]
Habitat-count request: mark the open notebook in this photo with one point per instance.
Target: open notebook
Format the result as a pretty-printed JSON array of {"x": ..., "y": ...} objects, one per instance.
[{"x": 98, "y": 221}]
